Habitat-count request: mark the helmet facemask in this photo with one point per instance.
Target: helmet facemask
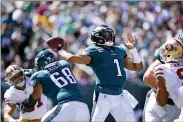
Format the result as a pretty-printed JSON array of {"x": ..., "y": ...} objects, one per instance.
[{"x": 15, "y": 76}]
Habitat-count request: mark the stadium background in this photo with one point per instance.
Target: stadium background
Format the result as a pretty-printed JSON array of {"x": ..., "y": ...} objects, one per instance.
[{"x": 26, "y": 25}]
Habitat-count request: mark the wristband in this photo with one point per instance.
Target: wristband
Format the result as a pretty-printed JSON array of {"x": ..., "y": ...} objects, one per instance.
[
  {"x": 31, "y": 102},
  {"x": 135, "y": 55},
  {"x": 65, "y": 54}
]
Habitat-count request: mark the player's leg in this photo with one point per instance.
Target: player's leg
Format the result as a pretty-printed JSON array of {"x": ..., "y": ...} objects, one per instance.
[
  {"x": 172, "y": 113},
  {"x": 60, "y": 113},
  {"x": 153, "y": 112},
  {"x": 145, "y": 105},
  {"x": 180, "y": 119},
  {"x": 124, "y": 111},
  {"x": 82, "y": 112},
  {"x": 101, "y": 107}
]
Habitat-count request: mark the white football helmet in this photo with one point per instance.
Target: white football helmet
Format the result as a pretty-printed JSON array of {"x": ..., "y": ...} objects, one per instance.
[
  {"x": 172, "y": 50},
  {"x": 15, "y": 75}
]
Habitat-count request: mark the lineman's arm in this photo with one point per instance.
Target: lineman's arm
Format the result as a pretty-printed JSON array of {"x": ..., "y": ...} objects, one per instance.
[
  {"x": 76, "y": 59},
  {"x": 8, "y": 112},
  {"x": 149, "y": 77},
  {"x": 37, "y": 92},
  {"x": 162, "y": 94},
  {"x": 34, "y": 97}
]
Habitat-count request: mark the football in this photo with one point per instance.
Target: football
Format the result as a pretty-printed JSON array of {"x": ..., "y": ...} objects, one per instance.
[{"x": 56, "y": 43}]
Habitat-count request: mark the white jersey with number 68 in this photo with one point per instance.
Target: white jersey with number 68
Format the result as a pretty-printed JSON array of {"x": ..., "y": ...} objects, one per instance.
[
  {"x": 173, "y": 75},
  {"x": 15, "y": 96}
]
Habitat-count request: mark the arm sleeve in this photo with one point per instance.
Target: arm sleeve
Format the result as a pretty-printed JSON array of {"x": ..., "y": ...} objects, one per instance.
[
  {"x": 124, "y": 50},
  {"x": 159, "y": 71},
  {"x": 35, "y": 79},
  {"x": 93, "y": 53}
]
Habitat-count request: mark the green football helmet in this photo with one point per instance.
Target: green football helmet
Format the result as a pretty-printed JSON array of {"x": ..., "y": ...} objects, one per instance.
[{"x": 44, "y": 58}]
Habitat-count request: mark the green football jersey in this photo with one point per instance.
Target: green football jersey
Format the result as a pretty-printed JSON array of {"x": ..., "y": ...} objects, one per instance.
[
  {"x": 108, "y": 66},
  {"x": 58, "y": 82}
]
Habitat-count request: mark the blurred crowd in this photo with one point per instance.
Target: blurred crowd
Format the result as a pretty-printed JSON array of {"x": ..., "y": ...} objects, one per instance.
[{"x": 27, "y": 25}]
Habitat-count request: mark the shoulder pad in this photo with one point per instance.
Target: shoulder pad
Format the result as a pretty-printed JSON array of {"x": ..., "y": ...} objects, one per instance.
[
  {"x": 37, "y": 76},
  {"x": 121, "y": 47},
  {"x": 10, "y": 95},
  {"x": 92, "y": 48},
  {"x": 63, "y": 62}
]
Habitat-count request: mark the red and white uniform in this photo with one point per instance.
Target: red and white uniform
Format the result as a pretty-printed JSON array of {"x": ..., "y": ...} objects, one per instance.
[
  {"x": 173, "y": 75},
  {"x": 13, "y": 95}
]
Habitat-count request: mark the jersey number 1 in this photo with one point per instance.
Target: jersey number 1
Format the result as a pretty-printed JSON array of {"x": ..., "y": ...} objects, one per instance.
[
  {"x": 118, "y": 67},
  {"x": 61, "y": 81}
]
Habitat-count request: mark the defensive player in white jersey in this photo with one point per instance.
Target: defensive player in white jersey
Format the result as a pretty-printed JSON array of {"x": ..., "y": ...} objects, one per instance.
[
  {"x": 171, "y": 110},
  {"x": 169, "y": 76},
  {"x": 19, "y": 91}
]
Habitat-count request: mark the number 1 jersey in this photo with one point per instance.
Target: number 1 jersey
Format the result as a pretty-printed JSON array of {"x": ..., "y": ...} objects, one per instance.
[
  {"x": 58, "y": 82},
  {"x": 108, "y": 66}
]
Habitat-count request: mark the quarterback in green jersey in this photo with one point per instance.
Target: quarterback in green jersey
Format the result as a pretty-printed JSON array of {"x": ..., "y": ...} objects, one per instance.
[
  {"x": 108, "y": 62},
  {"x": 55, "y": 80}
]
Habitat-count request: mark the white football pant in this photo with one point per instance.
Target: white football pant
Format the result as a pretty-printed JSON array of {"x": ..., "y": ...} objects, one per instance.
[
  {"x": 156, "y": 113},
  {"x": 68, "y": 112},
  {"x": 120, "y": 106}
]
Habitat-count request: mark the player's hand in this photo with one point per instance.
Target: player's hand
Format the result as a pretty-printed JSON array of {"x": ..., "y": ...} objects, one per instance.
[
  {"x": 24, "y": 107},
  {"x": 130, "y": 44}
]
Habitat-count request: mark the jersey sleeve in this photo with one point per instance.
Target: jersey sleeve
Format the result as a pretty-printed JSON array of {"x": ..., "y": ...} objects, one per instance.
[
  {"x": 63, "y": 62},
  {"x": 159, "y": 71},
  {"x": 123, "y": 50},
  {"x": 10, "y": 97},
  {"x": 158, "y": 56},
  {"x": 93, "y": 53},
  {"x": 36, "y": 78}
]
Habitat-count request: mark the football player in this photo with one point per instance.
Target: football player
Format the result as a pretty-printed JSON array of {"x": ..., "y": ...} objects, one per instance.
[
  {"x": 18, "y": 93},
  {"x": 149, "y": 78},
  {"x": 169, "y": 76},
  {"x": 108, "y": 62},
  {"x": 55, "y": 80}
]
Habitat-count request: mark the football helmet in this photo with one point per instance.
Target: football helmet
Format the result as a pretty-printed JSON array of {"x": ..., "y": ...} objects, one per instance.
[
  {"x": 172, "y": 51},
  {"x": 44, "y": 58},
  {"x": 103, "y": 35},
  {"x": 15, "y": 75}
]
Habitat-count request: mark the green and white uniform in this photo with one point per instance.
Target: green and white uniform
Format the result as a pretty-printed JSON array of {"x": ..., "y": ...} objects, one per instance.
[
  {"x": 108, "y": 66},
  {"x": 59, "y": 83}
]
